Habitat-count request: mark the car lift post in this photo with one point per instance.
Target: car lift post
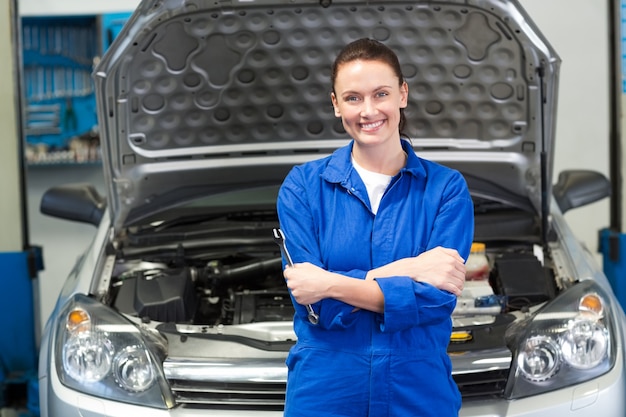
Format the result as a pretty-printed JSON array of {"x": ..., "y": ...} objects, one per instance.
[
  {"x": 612, "y": 240},
  {"x": 19, "y": 263}
]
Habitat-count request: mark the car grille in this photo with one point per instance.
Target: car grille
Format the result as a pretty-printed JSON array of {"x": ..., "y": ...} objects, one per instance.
[
  {"x": 210, "y": 393},
  {"x": 257, "y": 384},
  {"x": 482, "y": 384},
  {"x": 246, "y": 396}
]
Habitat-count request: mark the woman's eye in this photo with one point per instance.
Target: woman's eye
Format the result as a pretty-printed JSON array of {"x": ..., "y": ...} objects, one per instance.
[
  {"x": 382, "y": 94},
  {"x": 351, "y": 98}
]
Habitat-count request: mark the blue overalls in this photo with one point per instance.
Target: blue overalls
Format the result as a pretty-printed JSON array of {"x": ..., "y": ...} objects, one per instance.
[{"x": 360, "y": 363}]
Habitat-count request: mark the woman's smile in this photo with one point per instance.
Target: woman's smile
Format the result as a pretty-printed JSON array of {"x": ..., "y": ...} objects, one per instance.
[{"x": 372, "y": 126}]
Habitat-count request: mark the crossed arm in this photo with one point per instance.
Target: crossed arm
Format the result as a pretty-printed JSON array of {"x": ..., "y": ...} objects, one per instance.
[{"x": 440, "y": 267}]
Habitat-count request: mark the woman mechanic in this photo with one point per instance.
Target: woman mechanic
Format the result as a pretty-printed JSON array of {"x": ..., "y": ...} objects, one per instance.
[{"x": 378, "y": 236}]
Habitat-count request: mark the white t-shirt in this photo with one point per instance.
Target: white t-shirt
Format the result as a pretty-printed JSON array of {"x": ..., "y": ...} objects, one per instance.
[{"x": 375, "y": 183}]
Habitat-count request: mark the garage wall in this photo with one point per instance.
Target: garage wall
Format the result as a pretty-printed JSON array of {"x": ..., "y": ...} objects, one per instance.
[
  {"x": 579, "y": 31},
  {"x": 579, "y": 35},
  {"x": 74, "y": 7},
  {"x": 10, "y": 205}
]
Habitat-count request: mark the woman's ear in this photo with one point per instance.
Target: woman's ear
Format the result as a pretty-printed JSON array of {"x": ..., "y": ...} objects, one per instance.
[
  {"x": 404, "y": 95},
  {"x": 333, "y": 99}
]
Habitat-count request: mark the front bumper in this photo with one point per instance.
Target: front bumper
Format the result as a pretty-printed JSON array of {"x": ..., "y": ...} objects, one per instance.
[{"x": 603, "y": 396}]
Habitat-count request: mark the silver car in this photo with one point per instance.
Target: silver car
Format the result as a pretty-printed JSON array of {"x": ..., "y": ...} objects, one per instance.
[{"x": 179, "y": 308}]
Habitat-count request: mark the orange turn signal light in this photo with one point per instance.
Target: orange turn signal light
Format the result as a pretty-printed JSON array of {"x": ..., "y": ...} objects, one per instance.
[
  {"x": 591, "y": 303},
  {"x": 77, "y": 319}
]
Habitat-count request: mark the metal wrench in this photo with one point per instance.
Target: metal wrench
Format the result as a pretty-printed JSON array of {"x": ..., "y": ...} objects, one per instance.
[{"x": 279, "y": 238}]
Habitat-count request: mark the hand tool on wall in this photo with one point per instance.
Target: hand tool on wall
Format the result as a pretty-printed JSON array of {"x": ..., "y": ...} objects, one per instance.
[
  {"x": 279, "y": 238},
  {"x": 70, "y": 122}
]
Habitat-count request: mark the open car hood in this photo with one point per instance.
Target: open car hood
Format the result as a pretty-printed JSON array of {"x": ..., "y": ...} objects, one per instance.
[{"x": 194, "y": 91}]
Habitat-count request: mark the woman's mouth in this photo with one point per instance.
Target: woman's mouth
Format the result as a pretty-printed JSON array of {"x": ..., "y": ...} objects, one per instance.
[{"x": 372, "y": 125}]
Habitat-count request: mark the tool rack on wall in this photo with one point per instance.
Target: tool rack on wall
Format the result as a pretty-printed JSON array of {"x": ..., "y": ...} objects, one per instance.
[
  {"x": 59, "y": 54},
  {"x": 59, "y": 111}
]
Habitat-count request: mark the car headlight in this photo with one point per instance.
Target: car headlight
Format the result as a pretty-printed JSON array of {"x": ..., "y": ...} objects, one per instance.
[
  {"x": 568, "y": 342},
  {"x": 98, "y": 352}
]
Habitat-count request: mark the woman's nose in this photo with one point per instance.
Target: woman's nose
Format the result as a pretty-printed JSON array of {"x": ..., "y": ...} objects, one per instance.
[{"x": 368, "y": 108}]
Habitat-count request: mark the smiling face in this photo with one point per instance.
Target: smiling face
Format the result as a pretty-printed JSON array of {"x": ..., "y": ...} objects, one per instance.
[{"x": 368, "y": 96}]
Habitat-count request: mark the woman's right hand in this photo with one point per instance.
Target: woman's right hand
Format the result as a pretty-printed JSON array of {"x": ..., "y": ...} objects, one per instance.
[
  {"x": 308, "y": 283},
  {"x": 440, "y": 267}
]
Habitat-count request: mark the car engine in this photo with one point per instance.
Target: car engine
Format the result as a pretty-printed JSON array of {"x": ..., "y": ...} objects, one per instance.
[
  {"x": 240, "y": 289},
  {"x": 227, "y": 291}
]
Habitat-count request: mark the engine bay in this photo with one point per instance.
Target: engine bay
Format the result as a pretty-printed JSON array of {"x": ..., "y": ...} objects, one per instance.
[
  {"x": 230, "y": 289},
  {"x": 227, "y": 291}
]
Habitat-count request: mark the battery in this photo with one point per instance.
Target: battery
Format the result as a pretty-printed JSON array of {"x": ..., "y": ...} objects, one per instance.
[{"x": 522, "y": 279}]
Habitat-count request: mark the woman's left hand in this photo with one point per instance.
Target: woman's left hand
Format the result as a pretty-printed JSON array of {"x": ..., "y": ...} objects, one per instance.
[{"x": 440, "y": 267}]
